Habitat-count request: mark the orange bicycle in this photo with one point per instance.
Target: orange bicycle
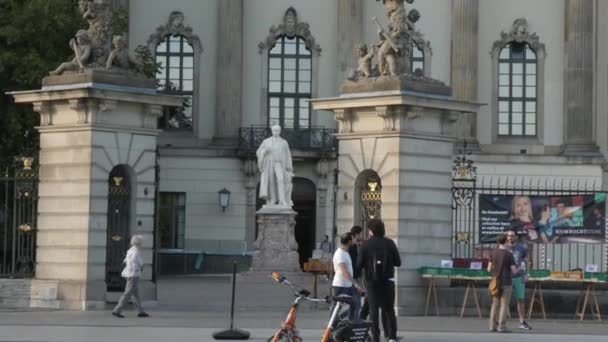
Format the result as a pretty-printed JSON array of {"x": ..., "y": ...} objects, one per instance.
[{"x": 338, "y": 329}]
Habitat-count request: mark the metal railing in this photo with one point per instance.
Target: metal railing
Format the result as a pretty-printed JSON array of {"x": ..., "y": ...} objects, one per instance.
[
  {"x": 316, "y": 139},
  {"x": 466, "y": 192}
]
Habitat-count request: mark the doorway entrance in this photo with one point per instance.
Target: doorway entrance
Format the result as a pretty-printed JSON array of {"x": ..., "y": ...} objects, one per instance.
[
  {"x": 304, "y": 197},
  {"x": 118, "y": 221}
]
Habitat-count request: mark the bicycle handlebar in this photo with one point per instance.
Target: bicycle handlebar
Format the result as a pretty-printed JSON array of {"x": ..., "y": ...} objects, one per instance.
[{"x": 301, "y": 292}]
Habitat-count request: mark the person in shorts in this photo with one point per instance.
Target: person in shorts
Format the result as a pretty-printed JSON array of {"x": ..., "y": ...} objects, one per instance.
[{"x": 520, "y": 255}]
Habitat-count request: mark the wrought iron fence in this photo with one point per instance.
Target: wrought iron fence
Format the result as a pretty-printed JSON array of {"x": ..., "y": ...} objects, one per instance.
[
  {"x": 18, "y": 217},
  {"x": 466, "y": 243},
  {"x": 317, "y": 139}
]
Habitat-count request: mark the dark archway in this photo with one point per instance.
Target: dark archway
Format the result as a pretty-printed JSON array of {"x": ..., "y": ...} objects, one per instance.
[
  {"x": 304, "y": 197},
  {"x": 368, "y": 198},
  {"x": 118, "y": 225}
]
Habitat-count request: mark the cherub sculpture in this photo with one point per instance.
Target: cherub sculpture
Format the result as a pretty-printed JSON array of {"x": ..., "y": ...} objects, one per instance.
[
  {"x": 120, "y": 56},
  {"x": 81, "y": 45},
  {"x": 364, "y": 67}
]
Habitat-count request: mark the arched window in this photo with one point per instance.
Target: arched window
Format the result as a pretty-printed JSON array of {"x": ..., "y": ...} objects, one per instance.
[
  {"x": 517, "y": 90},
  {"x": 177, "y": 51},
  {"x": 175, "y": 57},
  {"x": 518, "y": 62},
  {"x": 289, "y": 83},
  {"x": 417, "y": 58},
  {"x": 290, "y": 56}
]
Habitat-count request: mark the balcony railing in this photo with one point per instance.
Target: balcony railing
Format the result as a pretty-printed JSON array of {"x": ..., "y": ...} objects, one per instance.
[{"x": 316, "y": 139}]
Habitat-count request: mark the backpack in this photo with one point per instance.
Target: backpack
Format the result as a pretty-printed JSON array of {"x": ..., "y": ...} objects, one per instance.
[{"x": 377, "y": 267}]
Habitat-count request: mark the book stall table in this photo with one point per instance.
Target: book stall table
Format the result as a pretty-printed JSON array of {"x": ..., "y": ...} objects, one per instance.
[
  {"x": 471, "y": 277},
  {"x": 586, "y": 299},
  {"x": 318, "y": 267}
]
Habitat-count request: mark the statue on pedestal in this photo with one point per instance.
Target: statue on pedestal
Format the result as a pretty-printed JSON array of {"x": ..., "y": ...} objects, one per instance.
[
  {"x": 276, "y": 248},
  {"x": 276, "y": 170}
]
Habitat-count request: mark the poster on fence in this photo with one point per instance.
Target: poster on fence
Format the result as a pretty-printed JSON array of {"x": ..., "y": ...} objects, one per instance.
[{"x": 544, "y": 219}]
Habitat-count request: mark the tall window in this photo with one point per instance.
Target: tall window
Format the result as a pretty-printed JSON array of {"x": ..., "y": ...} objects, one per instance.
[
  {"x": 417, "y": 58},
  {"x": 176, "y": 76},
  {"x": 517, "y": 93},
  {"x": 172, "y": 219},
  {"x": 289, "y": 83}
]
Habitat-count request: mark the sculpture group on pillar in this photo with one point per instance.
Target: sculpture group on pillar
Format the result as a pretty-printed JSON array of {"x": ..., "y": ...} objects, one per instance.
[
  {"x": 276, "y": 171},
  {"x": 95, "y": 47},
  {"x": 394, "y": 48}
]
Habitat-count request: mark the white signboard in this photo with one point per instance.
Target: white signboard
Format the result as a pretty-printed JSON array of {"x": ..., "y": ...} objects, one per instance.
[
  {"x": 447, "y": 264},
  {"x": 591, "y": 268},
  {"x": 476, "y": 265}
]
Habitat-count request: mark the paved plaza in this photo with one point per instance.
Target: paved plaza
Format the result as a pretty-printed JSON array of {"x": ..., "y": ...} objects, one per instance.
[
  {"x": 192, "y": 308},
  {"x": 196, "y": 326}
]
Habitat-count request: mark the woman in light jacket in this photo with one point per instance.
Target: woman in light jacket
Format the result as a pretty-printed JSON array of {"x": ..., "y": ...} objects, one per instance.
[{"x": 131, "y": 272}]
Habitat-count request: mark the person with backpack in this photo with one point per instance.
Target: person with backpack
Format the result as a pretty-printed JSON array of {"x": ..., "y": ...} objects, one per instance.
[
  {"x": 502, "y": 266},
  {"x": 377, "y": 260}
]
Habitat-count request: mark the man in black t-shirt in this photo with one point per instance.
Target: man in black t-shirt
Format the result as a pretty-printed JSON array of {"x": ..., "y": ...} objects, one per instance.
[{"x": 377, "y": 260}]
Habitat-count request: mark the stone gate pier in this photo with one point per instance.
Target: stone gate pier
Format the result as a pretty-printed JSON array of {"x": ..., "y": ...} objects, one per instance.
[{"x": 97, "y": 134}]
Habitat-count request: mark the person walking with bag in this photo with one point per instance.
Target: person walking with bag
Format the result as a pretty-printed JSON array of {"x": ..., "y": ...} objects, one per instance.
[
  {"x": 132, "y": 272},
  {"x": 502, "y": 266},
  {"x": 377, "y": 259}
]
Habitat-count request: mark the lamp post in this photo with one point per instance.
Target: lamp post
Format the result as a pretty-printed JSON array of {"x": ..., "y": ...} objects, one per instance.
[{"x": 224, "y": 198}]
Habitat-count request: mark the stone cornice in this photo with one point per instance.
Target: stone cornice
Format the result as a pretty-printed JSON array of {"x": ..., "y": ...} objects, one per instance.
[
  {"x": 109, "y": 96},
  {"x": 380, "y": 99}
]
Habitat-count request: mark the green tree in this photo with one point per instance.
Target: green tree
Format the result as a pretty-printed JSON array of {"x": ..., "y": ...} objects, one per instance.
[{"x": 34, "y": 36}]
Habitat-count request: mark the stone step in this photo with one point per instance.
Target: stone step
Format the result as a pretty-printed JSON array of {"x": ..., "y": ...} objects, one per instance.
[{"x": 24, "y": 293}]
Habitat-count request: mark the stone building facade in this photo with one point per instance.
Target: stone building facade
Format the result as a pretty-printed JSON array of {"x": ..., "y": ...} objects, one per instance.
[{"x": 538, "y": 67}]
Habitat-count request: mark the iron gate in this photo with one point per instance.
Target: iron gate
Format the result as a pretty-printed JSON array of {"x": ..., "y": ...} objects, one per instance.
[
  {"x": 18, "y": 217},
  {"x": 117, "y": 243},
  {"x": 466, "y": 189}
]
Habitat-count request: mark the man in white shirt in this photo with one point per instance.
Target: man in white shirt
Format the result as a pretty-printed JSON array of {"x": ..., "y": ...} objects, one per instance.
[{"x": 343, "y": 282}]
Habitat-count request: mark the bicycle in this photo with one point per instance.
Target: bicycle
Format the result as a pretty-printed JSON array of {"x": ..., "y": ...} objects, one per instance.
[{"x": 338, "y": 329}]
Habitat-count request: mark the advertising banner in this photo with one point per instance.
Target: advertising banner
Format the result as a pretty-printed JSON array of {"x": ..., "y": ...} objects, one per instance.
[{"x": 544, "y": 219}]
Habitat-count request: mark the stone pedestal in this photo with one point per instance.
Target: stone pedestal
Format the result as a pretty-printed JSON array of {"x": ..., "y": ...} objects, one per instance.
[
  {"x": 276, "y": 248},
  {"x": 406, "y": 139},
  {"x": 90, "y": 123}
]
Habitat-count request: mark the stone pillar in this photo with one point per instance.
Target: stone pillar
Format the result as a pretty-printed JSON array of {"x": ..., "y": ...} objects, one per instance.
[
  {"x": 89, "y": 123},
  {"x": 579, "y": 135},
  {"x": 408, "y": 143},
  {"x": 229, "y": 70},
  {"x": 350, "y": 33},
  {"x": 465, "y": 49}
]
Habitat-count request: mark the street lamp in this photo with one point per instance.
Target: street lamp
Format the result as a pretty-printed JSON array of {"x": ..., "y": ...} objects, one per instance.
[{"x": 224, "y": 198}]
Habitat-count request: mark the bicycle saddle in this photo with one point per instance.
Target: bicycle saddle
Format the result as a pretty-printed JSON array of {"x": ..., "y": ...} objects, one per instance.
[{"x": 343, "y": 298}]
